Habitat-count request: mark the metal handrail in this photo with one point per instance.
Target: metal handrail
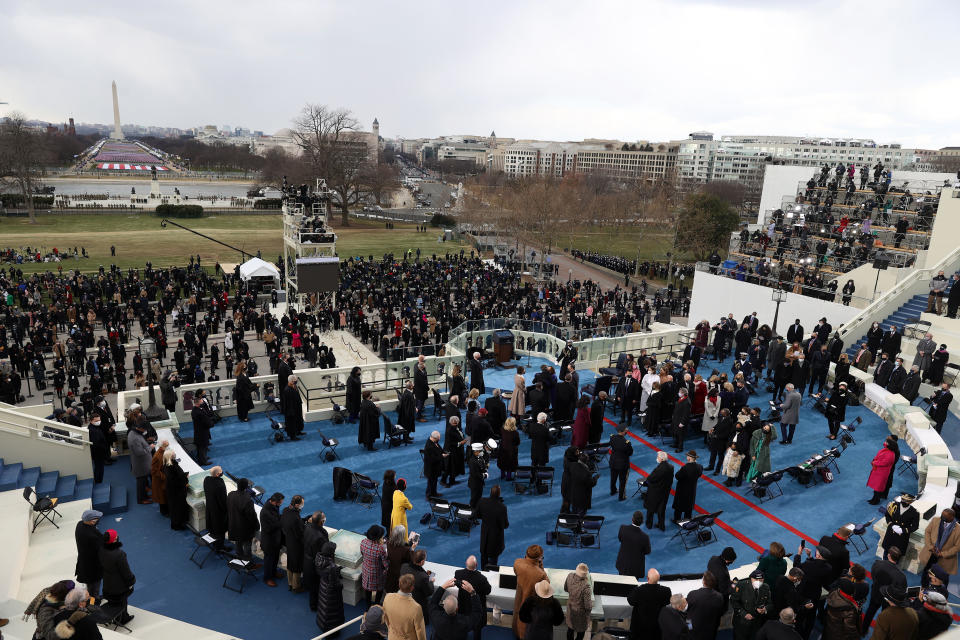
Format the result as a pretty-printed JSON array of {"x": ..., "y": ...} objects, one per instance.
[
  {"x": 871, "y": 312},
  {"x": 72, "y": 438},
  {"x": 335, "y": 630}
]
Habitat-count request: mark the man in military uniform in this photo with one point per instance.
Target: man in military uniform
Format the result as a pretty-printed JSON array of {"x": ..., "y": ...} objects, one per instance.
[{"x": 749, "y": 600}]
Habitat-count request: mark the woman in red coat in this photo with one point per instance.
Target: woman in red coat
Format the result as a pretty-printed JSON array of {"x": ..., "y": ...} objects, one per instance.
[
  {"x": 699, "y": 395},
  {"x": 581, "y": 426},
  {"x": 880, "y": 473}
]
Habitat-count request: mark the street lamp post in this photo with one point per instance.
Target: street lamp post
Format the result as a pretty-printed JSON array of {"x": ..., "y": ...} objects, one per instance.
[
  {"x": 148, "y": 350},
  {"x": 778, "y": 295}
]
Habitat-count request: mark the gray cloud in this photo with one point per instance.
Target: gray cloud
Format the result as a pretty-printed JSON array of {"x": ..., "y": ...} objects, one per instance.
[{"x": 557, "y": 70}]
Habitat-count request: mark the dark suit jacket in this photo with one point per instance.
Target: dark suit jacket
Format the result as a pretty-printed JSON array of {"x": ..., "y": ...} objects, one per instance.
[
  {"x": 881, "y": 375},
  {"x": 647, "y": 600},
  {"x": 704, "y": 608},
  {"x": 795, "y": 333},
  {"x": 884, "y": 573},
  {"x": 910, "y": 388},
  {"x": 718, "y": 568},
  {"x": 620, "y": 452},
  {"x": 496, "y": 413},
  {"x": 634, "y": 547},
  {"x": 897, "y": 376},
  {"x": 681, "y": 414}
]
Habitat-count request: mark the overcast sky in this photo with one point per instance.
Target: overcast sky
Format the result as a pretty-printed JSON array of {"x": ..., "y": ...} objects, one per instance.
[{"x": 563, "y": 70}]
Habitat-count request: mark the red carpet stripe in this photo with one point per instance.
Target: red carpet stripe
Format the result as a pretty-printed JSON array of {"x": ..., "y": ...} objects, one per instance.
[
  {"x": 726, "y": 490},
  {"x": 720, "y": 523}
]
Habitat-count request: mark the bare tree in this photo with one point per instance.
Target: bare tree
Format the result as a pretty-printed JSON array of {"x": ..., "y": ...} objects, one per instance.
[
  {"x": 380, "y": 179},
  {"x": 334, "y": 149},
  {"x": 23, "y": 155}
]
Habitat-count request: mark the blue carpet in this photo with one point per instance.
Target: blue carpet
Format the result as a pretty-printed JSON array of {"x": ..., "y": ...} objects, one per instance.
[{"x": 169, "y": 584}]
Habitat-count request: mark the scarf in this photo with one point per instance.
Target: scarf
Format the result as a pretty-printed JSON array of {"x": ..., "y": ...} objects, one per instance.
[{"x": 946, "y": 528}]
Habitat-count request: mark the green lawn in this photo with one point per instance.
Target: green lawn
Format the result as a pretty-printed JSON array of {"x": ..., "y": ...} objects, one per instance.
[
  {"x": 139, "y": 238},
  {"x": 652, "y": 245}
]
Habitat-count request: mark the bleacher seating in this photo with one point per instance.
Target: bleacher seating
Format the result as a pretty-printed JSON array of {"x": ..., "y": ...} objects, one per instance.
[{"x": 818, "y": 236}]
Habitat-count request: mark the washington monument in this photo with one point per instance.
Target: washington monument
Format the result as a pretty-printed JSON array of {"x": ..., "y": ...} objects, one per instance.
[{"x": 117, "y": 132}]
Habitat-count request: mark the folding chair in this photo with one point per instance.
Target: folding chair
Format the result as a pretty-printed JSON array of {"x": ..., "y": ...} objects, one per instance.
[
  {"x": 243, "y": 569},
  {"x": 44, "y": 507},
  {"x": 848, "y": 429},
  {"x": 522, "y": 479},
  {"x": 543, "y": 476},
  {"x": 366, "y": 490},
  {"x": 204, "y": 542},
  {"x": 421, "y": 463},
  {"x": 767, "y": 486},
  {"x": 909, "y": 463},
  {"x": 111, "y": 613},
  {"x": 641, "y": 489},
  {"x": 566, "y": 530},
  {"x": 329, "y": 448},
  {"x": 393, "y": 434},
  {"x": 599, "y": 454},
  {"x": 858, "y": 531},
  {"x": 590, "y": 531},
  {"x": 442, "y": 515},
  {"x": 464, "y": 518}
]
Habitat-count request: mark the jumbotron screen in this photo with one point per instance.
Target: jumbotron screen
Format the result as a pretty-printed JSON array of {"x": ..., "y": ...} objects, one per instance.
[{"x": 318, "y": 275}]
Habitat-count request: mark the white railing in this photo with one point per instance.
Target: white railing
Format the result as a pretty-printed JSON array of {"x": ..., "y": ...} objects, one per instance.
[
  {"x": 38, "y": 442},
  {"x": 336, "y": 630},
  {"x": 914, "y": 284}
]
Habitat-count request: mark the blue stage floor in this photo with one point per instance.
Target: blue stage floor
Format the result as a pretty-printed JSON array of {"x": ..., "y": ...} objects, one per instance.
[{"x": 169, "y": 584}]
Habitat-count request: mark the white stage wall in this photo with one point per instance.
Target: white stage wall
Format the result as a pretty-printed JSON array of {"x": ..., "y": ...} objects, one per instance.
[{"x": 716, "y": 296}]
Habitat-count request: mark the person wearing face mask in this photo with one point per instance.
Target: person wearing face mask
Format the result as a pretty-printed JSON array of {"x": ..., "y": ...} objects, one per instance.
[
  {"x": 99, "y": 449},
  {"x": 941, "y": 543},
  {"x": 875, "y": 338},
  {"x": 749, "y": 601},
  {"x": 799, "y": 373},
  {"x": 760, "y": 450},
  {"x": 897, "y": 375},
  {"x": 881, "y": 375}
]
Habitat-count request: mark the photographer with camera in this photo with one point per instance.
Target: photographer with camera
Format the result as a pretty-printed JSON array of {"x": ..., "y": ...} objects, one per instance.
[{"x": 447, "y": 622}]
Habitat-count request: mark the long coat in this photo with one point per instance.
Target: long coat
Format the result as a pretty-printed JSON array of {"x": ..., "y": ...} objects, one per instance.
[
  {"x": 158, "y": 479},
  {"x": 476, "y": 375},
  {"x": 407, "y": 411},
  {"x": 400, "y": 507},
  {"x": 353, "y": 395},
  {"x": 948, "y": 554},
  {"x": 508, "y": 458},
  {"x": 329, "y": 593},
  {"x": 881, "y": 468},
  {"x": 579, "y": 602},
  {"x": 369, "y": 430},
  {"x": 760, "y": 450},
  {"x": 241, "y": 515},
  {"x": 292, "y": 410},
  {"x": 493, "y": 521},
  {"x": 529, "y": 573},
  {"x": 89, "y": 542},
  {"x": 215, "y": 493},
  {"x": 244, "y": 391},
  {"x": 140, "y": 456},
  {"x": 518, "y": 402},
  {"x": 658, "y": 486},
  {"x": 176, "y": 488},
  {"x": 292, "y": 526},
  {"x": 685, "y": 493}
]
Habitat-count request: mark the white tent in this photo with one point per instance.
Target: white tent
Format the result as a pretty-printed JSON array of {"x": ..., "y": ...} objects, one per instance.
[{"x": 257, "y": 268}]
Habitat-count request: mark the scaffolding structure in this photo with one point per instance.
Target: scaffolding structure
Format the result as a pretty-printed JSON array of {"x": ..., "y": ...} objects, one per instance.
[{"x": 306, "y": 234}]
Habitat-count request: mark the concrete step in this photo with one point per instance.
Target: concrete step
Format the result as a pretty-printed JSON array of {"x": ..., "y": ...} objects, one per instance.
[
  {"x": 118, "y": 500},
  {"x": 101, "y": 497}
]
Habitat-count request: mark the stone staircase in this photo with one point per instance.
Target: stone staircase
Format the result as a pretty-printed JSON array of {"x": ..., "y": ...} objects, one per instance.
[{"x": 106, "y": 498}]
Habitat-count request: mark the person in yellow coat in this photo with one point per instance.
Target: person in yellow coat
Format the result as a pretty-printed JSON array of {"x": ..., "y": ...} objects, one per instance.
[{"x": 400, "y": 507}]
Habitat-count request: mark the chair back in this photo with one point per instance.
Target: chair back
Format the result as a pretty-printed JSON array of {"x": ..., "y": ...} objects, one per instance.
[{"x": 28, "y": 494}]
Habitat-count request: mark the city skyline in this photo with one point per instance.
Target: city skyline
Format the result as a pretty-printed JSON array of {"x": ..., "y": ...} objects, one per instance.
[{"x": 637, "y": 71}]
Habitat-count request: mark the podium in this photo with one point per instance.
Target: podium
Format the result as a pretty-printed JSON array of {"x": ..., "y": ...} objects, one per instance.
[{"x": 503, "y": 345}]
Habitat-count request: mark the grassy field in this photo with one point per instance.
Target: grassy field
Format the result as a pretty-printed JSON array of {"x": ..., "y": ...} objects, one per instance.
[
  {"x": 622, "y": 242},
  {"x": 139, "y": 238}
]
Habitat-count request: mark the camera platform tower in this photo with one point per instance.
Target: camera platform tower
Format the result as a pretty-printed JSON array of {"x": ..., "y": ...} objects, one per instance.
[{"x": 311, "y": 265}]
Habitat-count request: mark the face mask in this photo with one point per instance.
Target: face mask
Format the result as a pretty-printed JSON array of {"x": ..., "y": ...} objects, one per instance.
[
  {"x": 95, "y": 424},
  {"x": 756, "y": 583}
]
